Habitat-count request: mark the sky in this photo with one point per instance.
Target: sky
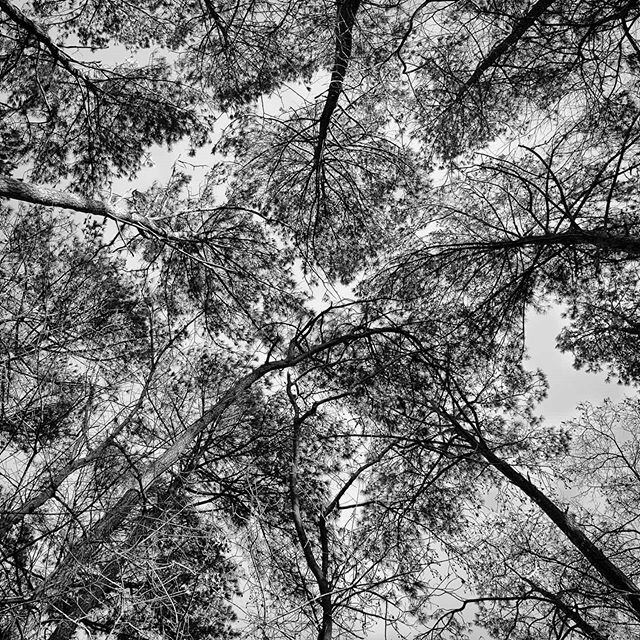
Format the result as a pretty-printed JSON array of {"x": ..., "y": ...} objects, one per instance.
[{"x": 567, "y": 386}]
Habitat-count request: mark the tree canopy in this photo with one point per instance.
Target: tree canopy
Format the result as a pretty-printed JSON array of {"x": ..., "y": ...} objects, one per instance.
[{"x": 284, "y": 393}]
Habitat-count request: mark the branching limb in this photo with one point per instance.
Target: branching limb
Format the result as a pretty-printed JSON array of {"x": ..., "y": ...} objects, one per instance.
[
  {"x": 134, "y": 488},
  {"x": 521, "y": 26},
  {"x": 319, "y": 571},
  {"x": 570, "y": 612},
  {"x": 598, "y": 238},
  {"x": 56, "y": 480},
  {"x": 575, "y": 534},
  {"x": 37, "y": 32}
]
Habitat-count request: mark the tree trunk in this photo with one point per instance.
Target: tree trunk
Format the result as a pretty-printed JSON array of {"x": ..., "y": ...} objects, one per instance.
[
  {"x": 592, "y": 553},
  {"x": 136, "y": 487},
  {"x": 25, "y": 192}
]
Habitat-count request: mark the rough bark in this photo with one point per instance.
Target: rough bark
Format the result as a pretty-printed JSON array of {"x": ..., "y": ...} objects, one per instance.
[{"x": 26, "y": 192}]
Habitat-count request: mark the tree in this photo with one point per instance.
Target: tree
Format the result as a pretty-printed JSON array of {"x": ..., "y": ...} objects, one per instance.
[
  {"x": 168, "y": 379},
  {"x": 521, "y": 563}
]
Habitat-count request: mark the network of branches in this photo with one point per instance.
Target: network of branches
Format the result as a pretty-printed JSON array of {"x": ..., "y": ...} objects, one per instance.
[{"x": 266, "y": 269}]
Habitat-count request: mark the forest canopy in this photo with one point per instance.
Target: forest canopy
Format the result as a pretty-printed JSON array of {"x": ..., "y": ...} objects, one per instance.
[{"x": 284, "y": 392}]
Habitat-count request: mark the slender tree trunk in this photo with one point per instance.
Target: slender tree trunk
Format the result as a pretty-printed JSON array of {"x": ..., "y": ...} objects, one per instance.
[
  {"x": 326, "y": 631},
  {"x": 590, "y": 551},
  {"x": 319, "y": 571},
  {"x": 345, "y": 20}
]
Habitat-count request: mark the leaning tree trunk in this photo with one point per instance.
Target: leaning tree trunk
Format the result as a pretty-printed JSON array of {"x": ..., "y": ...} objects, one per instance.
[{"x": 622, "y": 583}]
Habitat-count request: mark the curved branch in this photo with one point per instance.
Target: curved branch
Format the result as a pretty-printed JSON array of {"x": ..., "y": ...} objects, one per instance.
[{"x": 303, "y": 538}]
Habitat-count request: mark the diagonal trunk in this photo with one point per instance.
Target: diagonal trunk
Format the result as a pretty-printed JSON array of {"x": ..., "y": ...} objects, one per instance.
[
  {"x": 611, "y": 573},
  {"x": 134, "y": 489},
  {"x": 520, "y": 28},
  {"x": 36, "y": 194}
]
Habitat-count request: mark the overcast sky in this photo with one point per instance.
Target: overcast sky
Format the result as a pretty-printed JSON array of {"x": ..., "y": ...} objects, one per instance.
[{"x": 567, "y": 387}]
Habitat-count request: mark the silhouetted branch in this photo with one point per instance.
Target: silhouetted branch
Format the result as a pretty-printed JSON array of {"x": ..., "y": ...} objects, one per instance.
[
  {"x": 37, "y": 32},
  {"x": 519, "y": 29}
]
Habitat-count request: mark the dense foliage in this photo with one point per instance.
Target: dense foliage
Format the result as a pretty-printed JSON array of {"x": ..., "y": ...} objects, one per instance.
[{"x": 285, "y": 395}]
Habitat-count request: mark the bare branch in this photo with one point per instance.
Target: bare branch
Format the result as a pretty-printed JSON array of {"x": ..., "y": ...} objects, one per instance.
[
  {"x": 25, "y": 192},
  {"x": 35, "y": 30}
]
